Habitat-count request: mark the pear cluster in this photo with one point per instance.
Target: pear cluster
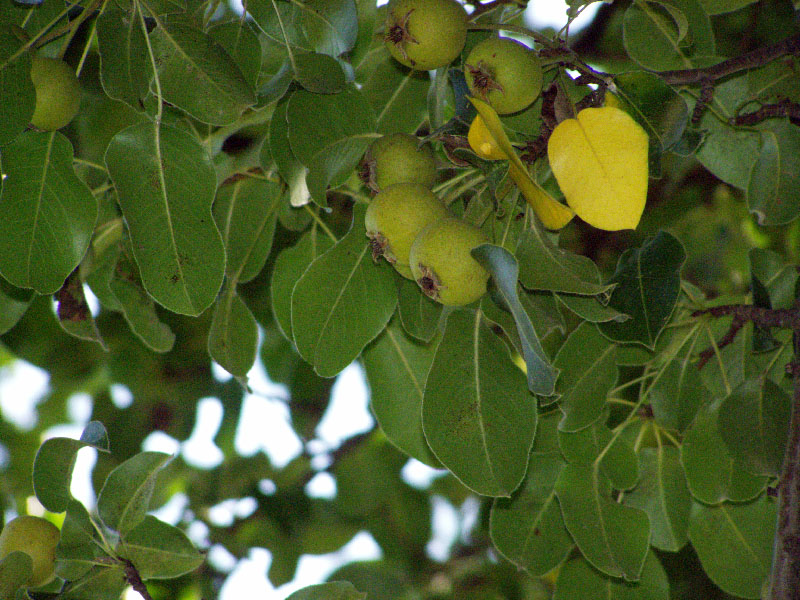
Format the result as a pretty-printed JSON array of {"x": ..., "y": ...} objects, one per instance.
[{"x": 413, "y": 230}]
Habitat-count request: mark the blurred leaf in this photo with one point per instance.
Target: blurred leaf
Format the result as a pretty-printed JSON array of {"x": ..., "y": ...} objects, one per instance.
[
  {"x": 778, "y": 278},
  {"x": 663, "y": 494},
  {"x": 577, "y": 576},
  {"x": 197, "y": 75},
  {"x": 14, "y": 302},
  {"x": 341, "y": 302},
  {"x": 754, "y": 422},
  {"x": 125, "y": 67},
  {"x": 504, "y": 270},
  {"x": 55, "y": 460},
  {"x": 329, "y": 134},
  {"x": 775, "y": 176},
  {"x": 478, "y": 416},
  {"x": 336, "y": 590},
  {"x": 712, "y": 473},
  {"x": 396, "y": 368},
  {"x": 18, "y": 98},
  {"x": 48, "y": 213},
  {"x": 527, "y": 529},
  {"x": 734, "y": 543},
  {"x": 668, "y": 34},
  {"x": 16, "y": 569},
  {"x": 587, "y": 362},
  {"x": 124, "y": 500},
  {"x": 715, "y": 7},
  {"x": 165, "y": 182},
  {"x": 648, "y": 284},
  {"x": 614, "y": 538},
  {"x": 159, "y": 550}
]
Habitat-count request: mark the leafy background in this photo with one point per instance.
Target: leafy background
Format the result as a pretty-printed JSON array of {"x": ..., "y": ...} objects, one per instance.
[{"x": 194, "y": 236}]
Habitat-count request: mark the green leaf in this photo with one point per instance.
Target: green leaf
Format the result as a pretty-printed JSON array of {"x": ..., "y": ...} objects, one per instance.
[
  {"x": 663, "y": 494},
  {"x": 590, "y": 308},
  {"x": 16, "y": 569},
  {"x": 419, "y": 314},
  {"x": 125, "y": 67},
  {"x": 335, "y": 590},
  {"x": 73, "y": 312},
  {"x": 544, "y": 266},
  {"x": 326, "y": 26},
  {"x": 125, "y": 497},
  {"x": 527, "y": 529},
  {"x": 504, "y": 270},
  {"x": 587, "y": 362},
  {"x": 775, "y": 176},
  {"x": 734, "y": 543},
  {"x": 618, "y": 461},
  {"x": 100, "y": 583},
  {"x": 78, "y": 547},
  {"x": 18, "y": 98},
  {"x": 777, "y": 277},
  {"x": 668, "y": 34},
  {"x": 289, "y": 267},
  {"x": 159, "y": 550},
  {"x": 329, "y": 134},
  {"x": 48, "y": 213},
  {"x": 342, "y": 302},
  {"x": 246, "y": 212},
  {"x": 54, "y": 462},
  {"x": 243, "y": 46},
  {"x": 233, "y": 337},
  {"x": 656, "y": 107},
  {"x": 397, "y": 95},
  {"x": 396, "y": 368},
  {"x": 648, "y": 284},
  {"x": 677, "y": 393},
  {"x": 577, "y": 576},
  {"x": 14, "y": 302},
  {"x": 165, "y": 183},
  {"x": 319, "y": 73},
  {"x": 138, "y": 308},
  {"x": 197, "y": 75},
  {"x": 716, "y": 7},
  {"x": 728, "y": 152},
  {"x": 290, "y": 168},
  {"x": 478, "y": 416},
  {"x": 712, "y": 473},
  {"x": 754, "y": 422},
  {"x": 614, "y": 538}
]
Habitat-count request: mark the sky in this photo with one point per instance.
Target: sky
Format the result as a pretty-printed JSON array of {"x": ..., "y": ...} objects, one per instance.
[{"x": 264, "y": 426}]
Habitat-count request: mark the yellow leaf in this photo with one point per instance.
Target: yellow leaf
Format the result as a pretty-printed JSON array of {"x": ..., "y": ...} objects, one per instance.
[
  {"x": 482, "y": 142},
  {"x": 552, "y": 214},
  {"x": 600, "y": 162}
]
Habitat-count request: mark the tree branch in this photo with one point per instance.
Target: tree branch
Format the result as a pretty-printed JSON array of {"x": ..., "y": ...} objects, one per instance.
[
  {"x": 756, "y": 58},
  {"x": 135, "y": 580}
]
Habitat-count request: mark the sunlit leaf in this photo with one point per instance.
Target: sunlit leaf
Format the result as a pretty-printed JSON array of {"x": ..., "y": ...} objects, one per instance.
[
  {"x": 600, "y": 160},
  {"x": 159, "y": 550}
]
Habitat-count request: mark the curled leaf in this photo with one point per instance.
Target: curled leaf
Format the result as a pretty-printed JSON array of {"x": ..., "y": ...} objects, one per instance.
[
  {"x": 600, "y": 162},
  {"x": 552, "y": 214}
]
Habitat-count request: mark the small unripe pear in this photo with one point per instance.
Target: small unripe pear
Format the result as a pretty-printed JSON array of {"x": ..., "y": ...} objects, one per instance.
[
  {"x": 394, "y": 218},
  {"x": 425, "y": 34},
  {"x": 397, "y": 158},
  {"x": 36, "y": 537},
  {"x": 442, "y": 265}
]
